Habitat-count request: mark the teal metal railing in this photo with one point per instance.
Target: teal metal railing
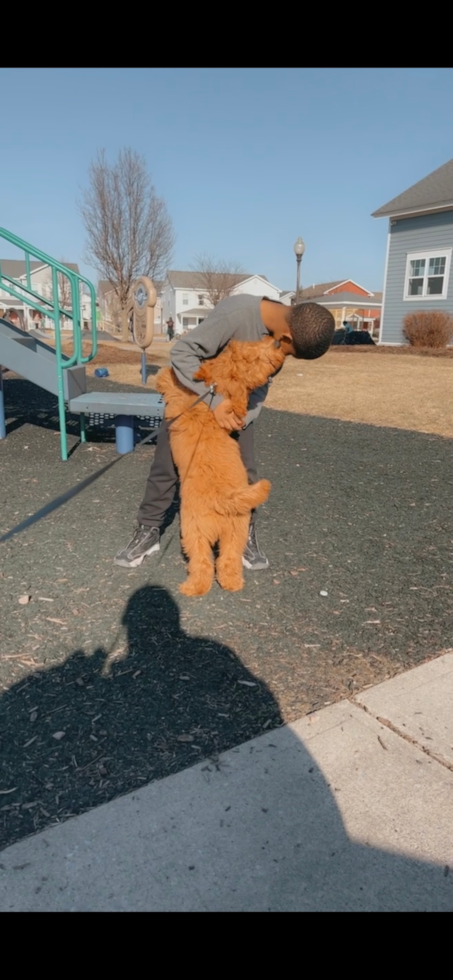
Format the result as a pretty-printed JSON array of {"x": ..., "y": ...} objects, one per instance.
[{"x": 22, "y": 290}]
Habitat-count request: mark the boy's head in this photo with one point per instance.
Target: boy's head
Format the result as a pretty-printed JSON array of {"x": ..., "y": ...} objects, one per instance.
[
  {"x": 312, "y": 328},
  {"x": 304, "y": 331}
]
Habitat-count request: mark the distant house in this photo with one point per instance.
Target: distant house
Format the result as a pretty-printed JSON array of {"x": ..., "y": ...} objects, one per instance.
[
  {"x": 418, "y": 274},
  {"x": 15, "y": 268},
  {"x": 186, "y": 299},
  {"x": 287, "y": 297},
  {"x": 346, "y": 300},
  {"x": 41, "y": 283}
]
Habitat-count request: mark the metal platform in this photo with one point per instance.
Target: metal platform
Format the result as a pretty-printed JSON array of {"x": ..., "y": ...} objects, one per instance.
[
  {"x": 148, "y": 404},
  {"x": 124, "y": 407}
]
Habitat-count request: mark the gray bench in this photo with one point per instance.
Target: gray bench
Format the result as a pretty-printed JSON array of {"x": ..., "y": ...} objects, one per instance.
[{"x": 124, "y": 406}]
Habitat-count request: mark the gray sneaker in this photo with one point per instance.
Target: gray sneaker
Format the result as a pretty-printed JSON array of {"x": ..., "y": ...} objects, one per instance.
[
  {"x": 145, "y": 541},
  {"x": 253, "y": 558}
]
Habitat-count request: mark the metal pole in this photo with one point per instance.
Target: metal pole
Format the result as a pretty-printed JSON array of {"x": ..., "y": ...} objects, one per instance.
[
  {"x": 298, "y": 258},
  {"x": 2, "y": 408},
  {"x": 144, "y": 378},
  {"x": 59, "y": 357}
]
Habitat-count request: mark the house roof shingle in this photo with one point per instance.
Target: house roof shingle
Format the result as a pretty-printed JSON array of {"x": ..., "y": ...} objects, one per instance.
[
  {"x": 350, "y": 299},
  {"x": 16, "y": 267},
  {"x": 432, "y": 191},
  {"x": 196, "y": 311},
  {"x": 319, "y": 288},
  {"x": 72, "y": 265},
  {"x": 105, "y": 287},
  {"x": 196, "y": 280}
]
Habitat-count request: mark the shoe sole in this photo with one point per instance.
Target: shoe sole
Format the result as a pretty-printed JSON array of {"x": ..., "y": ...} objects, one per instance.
[
  {"x": 124, "y": 563},
  {"x": 257, "y": 567}
]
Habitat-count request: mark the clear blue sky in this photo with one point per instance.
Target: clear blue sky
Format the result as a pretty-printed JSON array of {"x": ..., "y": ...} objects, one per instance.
[{"x": 247, "y": 159}]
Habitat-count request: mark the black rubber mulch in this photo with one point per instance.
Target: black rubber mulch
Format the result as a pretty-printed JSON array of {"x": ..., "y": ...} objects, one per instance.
[{"x": 109, "y": 678}]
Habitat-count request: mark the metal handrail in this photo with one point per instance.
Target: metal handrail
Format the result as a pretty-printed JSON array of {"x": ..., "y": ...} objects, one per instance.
[{"x": 52, "y": 309}]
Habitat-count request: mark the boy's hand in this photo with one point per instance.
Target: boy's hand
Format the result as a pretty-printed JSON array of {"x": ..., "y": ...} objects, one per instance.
[{"x": 226, "y": 417}]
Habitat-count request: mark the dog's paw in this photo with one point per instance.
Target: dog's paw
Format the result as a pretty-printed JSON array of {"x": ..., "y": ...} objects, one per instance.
[
  {"x": 231, "y": 583},
  {"x": 192, "y": 587}
]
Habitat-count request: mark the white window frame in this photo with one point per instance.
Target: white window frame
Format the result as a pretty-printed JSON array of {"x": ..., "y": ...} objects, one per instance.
[
  {"x": 426, "y": 254},
  {"x": 185, "y": 299}
]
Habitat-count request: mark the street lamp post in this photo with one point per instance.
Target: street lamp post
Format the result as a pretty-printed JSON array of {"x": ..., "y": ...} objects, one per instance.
[{"x": 299, "y": 249}]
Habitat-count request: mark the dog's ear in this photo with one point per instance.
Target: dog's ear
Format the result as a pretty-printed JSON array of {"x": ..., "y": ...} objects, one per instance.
[
  {"x": 238, "y": 398},
  {"x": 204, "y": 372}
]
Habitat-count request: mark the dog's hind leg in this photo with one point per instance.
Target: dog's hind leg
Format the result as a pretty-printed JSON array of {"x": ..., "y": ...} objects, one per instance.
[
  {"x": 201, "y": 563},
  {"x": 232, "y": 542}
]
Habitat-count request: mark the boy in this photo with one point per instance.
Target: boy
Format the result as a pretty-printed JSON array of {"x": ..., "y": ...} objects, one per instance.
[{"x": 304, "y": 331}]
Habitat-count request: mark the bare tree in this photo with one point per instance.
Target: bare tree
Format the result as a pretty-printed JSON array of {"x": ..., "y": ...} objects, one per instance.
[
  {"x": 64, "y": 289},
  {"x": 130, "y": 232},
  {"x": 218, "y": 278},
  {"x": 112, "y": 310}
]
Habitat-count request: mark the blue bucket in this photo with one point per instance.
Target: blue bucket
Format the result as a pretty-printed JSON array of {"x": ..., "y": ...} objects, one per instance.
[{"x": 101, "y": 373}]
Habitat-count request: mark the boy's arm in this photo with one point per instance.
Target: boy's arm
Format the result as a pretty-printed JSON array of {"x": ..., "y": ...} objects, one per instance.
[
  {"x": 256, "y": 401},
  {"x": 198, "y": 345}
]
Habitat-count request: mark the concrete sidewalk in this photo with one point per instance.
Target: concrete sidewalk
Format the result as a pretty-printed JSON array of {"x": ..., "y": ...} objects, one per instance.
[{"x": 348, "y": 809}]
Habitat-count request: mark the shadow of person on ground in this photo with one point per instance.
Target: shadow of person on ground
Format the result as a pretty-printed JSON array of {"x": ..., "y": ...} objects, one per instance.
[{"x": 99, "y": 726}]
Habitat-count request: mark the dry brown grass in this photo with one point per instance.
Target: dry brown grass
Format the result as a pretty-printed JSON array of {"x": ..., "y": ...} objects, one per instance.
[
  {"x": 403, "y": 392},
  {"x": 124, "y": 361}
]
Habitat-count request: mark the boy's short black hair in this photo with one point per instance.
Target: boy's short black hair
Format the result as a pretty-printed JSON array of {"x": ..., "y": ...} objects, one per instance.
[{"x": 312, "y": 328}]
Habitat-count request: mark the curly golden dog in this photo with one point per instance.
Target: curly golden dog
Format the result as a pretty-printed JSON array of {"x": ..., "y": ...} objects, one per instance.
[{"x": 216, "y": 497}]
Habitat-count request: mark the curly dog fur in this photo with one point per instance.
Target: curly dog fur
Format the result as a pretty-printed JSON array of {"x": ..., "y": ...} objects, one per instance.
[{"x": 216, "y": 497}]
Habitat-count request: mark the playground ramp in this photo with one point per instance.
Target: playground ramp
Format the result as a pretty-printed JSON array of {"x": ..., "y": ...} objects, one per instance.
[{"x": 34, "y": 360}]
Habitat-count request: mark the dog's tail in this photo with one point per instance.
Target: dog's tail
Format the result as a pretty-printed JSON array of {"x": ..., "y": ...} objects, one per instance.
[{"x": 240, "y": 502}]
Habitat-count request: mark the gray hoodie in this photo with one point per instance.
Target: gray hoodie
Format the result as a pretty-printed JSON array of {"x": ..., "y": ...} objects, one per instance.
[{"x": 238, "y": 318}]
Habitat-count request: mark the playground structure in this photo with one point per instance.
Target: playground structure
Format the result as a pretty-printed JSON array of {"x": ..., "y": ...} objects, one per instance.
[{"x": 65, "y": 375}]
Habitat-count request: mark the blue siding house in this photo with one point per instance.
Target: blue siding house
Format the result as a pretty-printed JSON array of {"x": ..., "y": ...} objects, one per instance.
[{"x": 418, "y": 268}]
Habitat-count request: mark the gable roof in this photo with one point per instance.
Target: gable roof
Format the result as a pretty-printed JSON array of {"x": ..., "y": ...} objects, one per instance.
[
  {"x": 319, "y": 288},
  {"x": 196, "y": 311},
  {"x": 323, "y": 288},
  {"x": 429, "y": 193},
  {"x": 16, "y": 267},
  {"x": 44, "y": 265},
  {"x": 196, "y": 280},
  {"x": 350, "y": 299},
  {"x": 105, "y": 287}
]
